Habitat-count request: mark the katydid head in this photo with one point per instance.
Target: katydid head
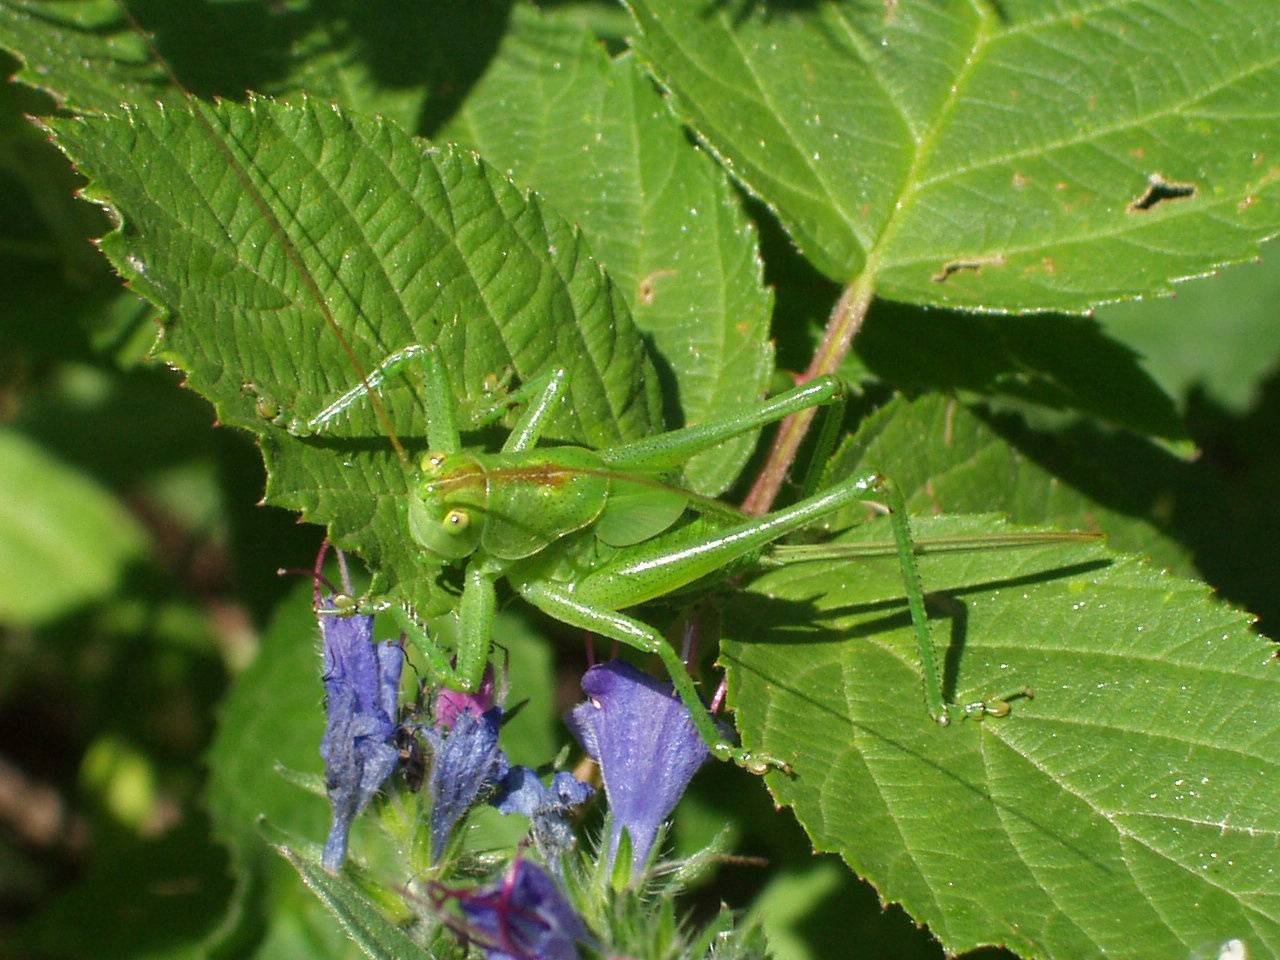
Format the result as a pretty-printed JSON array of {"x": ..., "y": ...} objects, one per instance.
[{"x": 444, "y": 506}]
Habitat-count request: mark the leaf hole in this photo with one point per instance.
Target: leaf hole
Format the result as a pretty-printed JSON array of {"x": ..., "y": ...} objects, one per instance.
[
  {"x": 1160, "y": 190},
  {"x": 967, "y": 263}
]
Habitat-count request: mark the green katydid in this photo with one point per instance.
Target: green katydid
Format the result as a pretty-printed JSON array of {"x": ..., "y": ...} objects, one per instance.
[
  {"x": 584, "y": 535},
  {"x": 581, "y": 534}
]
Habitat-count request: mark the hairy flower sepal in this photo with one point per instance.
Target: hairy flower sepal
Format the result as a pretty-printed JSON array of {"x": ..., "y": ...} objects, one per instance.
[
  {"x": 643, "y": 737},
  {"x": 362, "y": 685}
]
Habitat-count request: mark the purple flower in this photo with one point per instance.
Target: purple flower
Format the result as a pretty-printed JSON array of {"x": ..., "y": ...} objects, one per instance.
[
  {"x": 642, "y": 736},
  {"x": 523, "y": 916},
  {"x": 547, "y": 807},
  {"x": 450, "y": 703},
  {"x": 465, "y": 763},
  {"x": 361, "y": 685}
]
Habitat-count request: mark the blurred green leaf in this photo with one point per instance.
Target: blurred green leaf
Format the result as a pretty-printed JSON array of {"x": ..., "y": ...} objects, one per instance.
[
  {"x": 64, "y": 540},
  {"x": 159, "y": 898},
  {"x": 1012, "y": 156},
  {"x": 272, "y": 717},
  {"x": 594, "y": 138}
]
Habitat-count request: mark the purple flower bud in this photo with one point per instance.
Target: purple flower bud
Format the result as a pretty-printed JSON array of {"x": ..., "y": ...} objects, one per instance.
[
  {"x": 465, "y": 763},
  {"x": 523, "y": 916},
  {"x": 449, "y": 703},
  {"x": 547, "y": 808},
  {"x": 361, "y": 685},
  {"x": 642, "y": 736}
]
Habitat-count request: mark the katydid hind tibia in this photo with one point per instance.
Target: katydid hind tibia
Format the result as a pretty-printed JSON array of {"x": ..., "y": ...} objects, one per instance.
[{"x": 330, "y": 248}]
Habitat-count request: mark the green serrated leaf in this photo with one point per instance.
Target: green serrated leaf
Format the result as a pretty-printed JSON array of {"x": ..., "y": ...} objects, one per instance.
[
  {"x": 1021, "y": 155},
  {"x": 64, "y": 540},
  {"x": 84, "y": 53},
  {"x": 264, "y": 230},
  {"x": 1119, "y": 812},
  {"x": 591, "y": 135}
]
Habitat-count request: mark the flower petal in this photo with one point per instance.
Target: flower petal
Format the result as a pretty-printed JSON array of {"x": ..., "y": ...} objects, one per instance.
[
  {"x": 362, "y": 683},
  {"x": 466, "y": 762},
  {"x": 524, "y": 916},
  {"x": 647, "y": 747}
]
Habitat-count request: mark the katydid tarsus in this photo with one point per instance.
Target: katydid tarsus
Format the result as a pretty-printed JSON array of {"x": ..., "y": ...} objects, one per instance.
[{"x": 583, "y": 535}]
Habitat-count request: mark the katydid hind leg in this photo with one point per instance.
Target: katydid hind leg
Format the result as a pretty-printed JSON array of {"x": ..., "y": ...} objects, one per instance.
[
  {"x": 657, "y": 567},
  {"x": 563, "y": 606},
  {"x": 932, "y": 679},
  {"x": 439, "y": 664},
  {"x": 672, "y": 449},
  {"x": 463, "y": 671}
]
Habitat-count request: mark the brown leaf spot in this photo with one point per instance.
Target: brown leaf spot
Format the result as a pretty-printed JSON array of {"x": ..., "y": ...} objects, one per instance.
[
  {"x": 970, "y": 263},
  {"x": 645, "y": 289}
]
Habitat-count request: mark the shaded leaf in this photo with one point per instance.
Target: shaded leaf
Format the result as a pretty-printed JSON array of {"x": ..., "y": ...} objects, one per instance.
[
  {"x": 1222, "y": 336},
  {"x": 1060, "y": 363},
  {"x": 89, "y": 57}
]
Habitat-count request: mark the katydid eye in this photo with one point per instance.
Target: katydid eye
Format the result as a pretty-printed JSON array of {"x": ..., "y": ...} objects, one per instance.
[
  {"x": 456, "y": 521},
  {"x": 431, "y": 461}
]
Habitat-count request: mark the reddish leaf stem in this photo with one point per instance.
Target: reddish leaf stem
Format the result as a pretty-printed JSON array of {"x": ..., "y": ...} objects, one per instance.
[{"x": 846, "y": 320}]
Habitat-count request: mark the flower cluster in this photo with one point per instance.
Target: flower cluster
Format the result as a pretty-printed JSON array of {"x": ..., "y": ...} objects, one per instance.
[{"x": 636, "y": 728}]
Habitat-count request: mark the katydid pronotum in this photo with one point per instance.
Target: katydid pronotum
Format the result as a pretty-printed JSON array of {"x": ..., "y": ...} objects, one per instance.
[{"x": 583, "y": 535}]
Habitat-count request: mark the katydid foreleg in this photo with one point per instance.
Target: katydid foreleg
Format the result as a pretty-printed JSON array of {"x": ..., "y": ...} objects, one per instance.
[{"x": 442, "y": 427}]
